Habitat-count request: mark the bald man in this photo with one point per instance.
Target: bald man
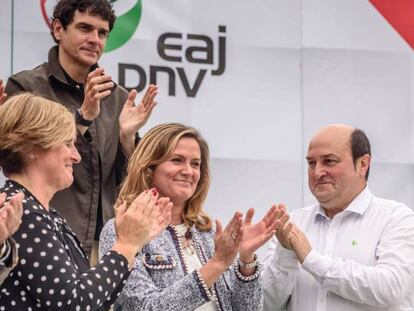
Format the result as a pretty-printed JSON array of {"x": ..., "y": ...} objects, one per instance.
[{"x": 352, "y": 250}]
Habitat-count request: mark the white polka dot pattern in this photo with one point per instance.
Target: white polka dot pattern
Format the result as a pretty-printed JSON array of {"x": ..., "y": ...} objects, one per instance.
[{"x": 53, "y": 272}]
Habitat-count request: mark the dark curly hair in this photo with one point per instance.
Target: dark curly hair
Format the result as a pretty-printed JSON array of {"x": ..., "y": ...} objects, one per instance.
[{"x": 65, "y": 9}]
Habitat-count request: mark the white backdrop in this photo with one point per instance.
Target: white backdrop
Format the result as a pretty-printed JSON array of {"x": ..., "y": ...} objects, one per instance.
[{"x": 291, "y": 67}]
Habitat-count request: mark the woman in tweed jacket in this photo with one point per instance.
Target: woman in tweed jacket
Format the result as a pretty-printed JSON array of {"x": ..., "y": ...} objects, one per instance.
[{"x": 192, "y": 264}]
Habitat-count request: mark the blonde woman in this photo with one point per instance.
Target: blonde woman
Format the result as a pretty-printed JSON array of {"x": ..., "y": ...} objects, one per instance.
[
  {"x": 192, "y": 264},
  {"x": 37, "y": 155}
]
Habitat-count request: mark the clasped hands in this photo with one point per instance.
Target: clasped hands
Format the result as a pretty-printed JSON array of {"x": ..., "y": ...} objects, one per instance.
[
  {"x": 140, "y": 221},
  {"x": 98, "y": 86},
  {"x": 11, "y": 212},
  {"x": 290, "y": 236}
]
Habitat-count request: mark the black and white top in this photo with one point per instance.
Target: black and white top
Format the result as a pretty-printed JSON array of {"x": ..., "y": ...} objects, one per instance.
[
  {"x": 162, "y": 280},
  {"x": 53, "y": 271}
]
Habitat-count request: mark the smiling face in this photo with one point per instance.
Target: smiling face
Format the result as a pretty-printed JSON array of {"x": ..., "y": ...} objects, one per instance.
[
  {"x": 83, "y": 41},
  {"x": 333, "y": 178},
  {"x": 178, "y": 176},
  {"x": 56, "y": 164}
]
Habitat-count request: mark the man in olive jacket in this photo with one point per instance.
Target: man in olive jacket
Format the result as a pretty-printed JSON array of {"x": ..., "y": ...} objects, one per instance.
[{"x": 106, "y": 117}]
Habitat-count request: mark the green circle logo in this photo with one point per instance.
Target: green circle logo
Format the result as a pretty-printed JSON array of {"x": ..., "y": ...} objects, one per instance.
[{"x": 125, "y": 27}]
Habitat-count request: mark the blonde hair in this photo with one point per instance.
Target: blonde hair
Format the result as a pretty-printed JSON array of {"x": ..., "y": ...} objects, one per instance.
[
  {"x": 29, "y": 122},
  {"x": 156, "y": 147}
]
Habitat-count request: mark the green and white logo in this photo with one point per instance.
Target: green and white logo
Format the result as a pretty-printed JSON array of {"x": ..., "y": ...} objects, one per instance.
[{"x": 127, "y": 21}]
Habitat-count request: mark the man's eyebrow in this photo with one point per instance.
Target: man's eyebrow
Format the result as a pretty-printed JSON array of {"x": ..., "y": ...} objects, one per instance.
[
  {"x": 323, "y": 156},
  {"x": 84, "y": 24}
]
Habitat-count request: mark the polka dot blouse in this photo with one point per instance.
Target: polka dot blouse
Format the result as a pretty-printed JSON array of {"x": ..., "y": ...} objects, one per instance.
[{"x": 53, "y": 271}]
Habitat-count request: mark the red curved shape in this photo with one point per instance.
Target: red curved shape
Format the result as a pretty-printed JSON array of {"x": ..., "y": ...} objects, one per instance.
[
  {"x": 400, "y": 15},
  {"x": 44, "y": 13}
]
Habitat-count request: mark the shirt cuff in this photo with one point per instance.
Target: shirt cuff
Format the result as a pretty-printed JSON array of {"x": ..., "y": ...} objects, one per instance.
[
  {"x": 205, "y": 292},
  {"x": 317, "y": 265},
  {"x": 286, "y": 258},
  {"x": 123, "y": 260}
]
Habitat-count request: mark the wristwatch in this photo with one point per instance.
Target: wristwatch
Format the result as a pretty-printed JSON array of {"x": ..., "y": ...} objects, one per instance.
[{"x": 80, "y": 120}]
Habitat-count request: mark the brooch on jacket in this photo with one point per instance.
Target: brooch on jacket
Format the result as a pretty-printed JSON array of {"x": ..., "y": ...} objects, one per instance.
[{"x": 158, "y": 261}]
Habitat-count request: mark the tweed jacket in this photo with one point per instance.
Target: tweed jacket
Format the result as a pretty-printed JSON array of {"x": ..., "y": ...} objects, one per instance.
[{"x": 159, "y": 280}]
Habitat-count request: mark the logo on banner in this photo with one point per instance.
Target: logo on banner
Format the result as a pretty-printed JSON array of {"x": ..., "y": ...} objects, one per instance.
[
  {"x": 175, "y": 48},
  {"x": 400, "y": 14},
  {"x": 127, "y": 21}
]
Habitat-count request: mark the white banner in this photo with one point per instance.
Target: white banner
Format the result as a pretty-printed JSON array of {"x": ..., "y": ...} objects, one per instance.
[{"x": 257, "y": 79}]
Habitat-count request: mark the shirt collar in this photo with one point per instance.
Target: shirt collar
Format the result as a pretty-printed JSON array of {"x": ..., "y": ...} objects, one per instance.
[
  {"x": 358, "y": 205},
  {"x": 53, "y": 65}
]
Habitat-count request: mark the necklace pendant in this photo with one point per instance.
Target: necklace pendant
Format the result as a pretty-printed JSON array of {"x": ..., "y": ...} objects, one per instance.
[
  {"x": 189, "y": 250},
  {"x": 188, "y": 246}
]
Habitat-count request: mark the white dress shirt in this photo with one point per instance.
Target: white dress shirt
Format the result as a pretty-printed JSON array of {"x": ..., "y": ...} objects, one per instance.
[{"x": 362, "y": 259}]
